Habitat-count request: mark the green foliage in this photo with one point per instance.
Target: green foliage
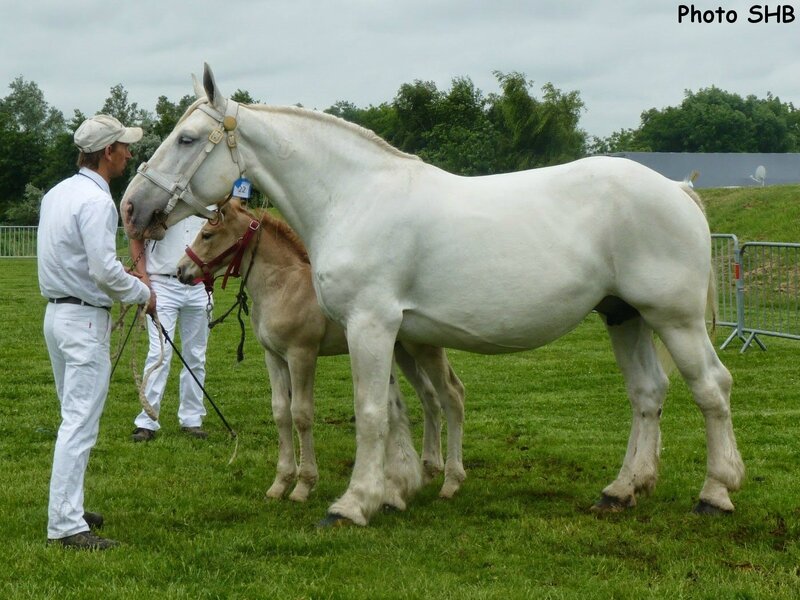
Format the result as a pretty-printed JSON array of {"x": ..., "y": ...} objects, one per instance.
[
  {"x": 712, "y": 120},
  {"x": 26, "y": 212}
]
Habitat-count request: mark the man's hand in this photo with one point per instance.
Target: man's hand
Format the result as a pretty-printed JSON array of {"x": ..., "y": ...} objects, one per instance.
[{"x": 150, "y": 307}]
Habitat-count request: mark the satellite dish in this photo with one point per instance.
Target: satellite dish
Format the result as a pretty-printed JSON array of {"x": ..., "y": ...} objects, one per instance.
[{"x": 760, "y": 175}]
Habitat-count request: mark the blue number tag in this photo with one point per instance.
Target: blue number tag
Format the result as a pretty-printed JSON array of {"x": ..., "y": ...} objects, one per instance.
[{"x": 242, "y": 188}]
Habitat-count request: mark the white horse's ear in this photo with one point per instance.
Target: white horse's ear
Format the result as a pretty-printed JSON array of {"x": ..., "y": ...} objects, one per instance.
[
  {"x": 199, "y": 92},
  {"x": 213, "y": 94}
]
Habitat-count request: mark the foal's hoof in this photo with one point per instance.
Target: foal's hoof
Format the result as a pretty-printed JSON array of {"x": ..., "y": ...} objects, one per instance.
[
  {"x": 609, "y": 504},
  {"x": 704, "y": 508},
  {"x": 332, "y": 520}
]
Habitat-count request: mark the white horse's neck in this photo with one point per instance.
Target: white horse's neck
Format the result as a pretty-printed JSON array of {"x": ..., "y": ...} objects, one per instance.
[{"x": 293, "y": 155}]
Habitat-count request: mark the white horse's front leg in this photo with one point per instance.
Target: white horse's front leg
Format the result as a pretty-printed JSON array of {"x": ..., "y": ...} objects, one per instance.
[
  {"x": 371, "y": 344},
  {"x": 281, "y": 385}
]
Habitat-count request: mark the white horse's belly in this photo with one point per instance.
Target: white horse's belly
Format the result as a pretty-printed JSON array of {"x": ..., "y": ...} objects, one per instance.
[{"x": 487, "y": 332}]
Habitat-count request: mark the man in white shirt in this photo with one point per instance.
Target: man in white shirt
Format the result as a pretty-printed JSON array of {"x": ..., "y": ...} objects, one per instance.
[
  {"x": 80, "y": 276},
  {"x": 178, "y": 303}
]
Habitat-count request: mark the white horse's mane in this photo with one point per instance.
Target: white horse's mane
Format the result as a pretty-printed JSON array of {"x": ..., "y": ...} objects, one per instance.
[{"x": 323, "y": 117}]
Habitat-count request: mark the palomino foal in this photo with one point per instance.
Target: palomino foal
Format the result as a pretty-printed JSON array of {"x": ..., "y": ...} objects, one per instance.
[{"x": 291, "y": 327}]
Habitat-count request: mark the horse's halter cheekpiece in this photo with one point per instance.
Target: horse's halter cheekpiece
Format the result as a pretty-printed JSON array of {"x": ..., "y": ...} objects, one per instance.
[
  {"x": 179, "y": 188},
  {"x": 238, "y": 249}
]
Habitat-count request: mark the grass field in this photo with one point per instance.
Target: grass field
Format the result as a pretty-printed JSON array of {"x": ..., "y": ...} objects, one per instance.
[{"x": 545, "y": 432}]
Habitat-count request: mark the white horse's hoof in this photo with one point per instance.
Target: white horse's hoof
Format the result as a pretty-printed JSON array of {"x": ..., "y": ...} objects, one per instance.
[
  {"x": 704, "y": 508},
  {"x": 332, "y": 520},
  {"x": 609, "y": 504}
]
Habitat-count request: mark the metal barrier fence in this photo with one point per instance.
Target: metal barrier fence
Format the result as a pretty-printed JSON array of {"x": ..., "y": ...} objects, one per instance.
[
  {"x": 17, "y": 242},
  {"x": 758, "y": 289},
  {"x": 20, "y": 241}
]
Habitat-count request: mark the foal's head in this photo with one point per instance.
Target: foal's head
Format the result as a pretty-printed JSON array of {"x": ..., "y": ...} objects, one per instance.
[{"x": 216, "y": 244}]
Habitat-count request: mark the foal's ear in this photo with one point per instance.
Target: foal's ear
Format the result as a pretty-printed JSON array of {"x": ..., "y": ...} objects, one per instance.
[{"x": 213, "y": 94}]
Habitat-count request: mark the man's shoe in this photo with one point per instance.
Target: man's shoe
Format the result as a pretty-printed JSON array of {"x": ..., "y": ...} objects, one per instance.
[
  {"x": 85, "y": 540},
  {"x": 140, "y": 434},
  {"x": 93, "y": 520},
  {"x": 195, "y": 432}
]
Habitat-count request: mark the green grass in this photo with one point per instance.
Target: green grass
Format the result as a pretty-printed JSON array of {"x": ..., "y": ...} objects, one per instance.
[{"x": 545, "y": 432}]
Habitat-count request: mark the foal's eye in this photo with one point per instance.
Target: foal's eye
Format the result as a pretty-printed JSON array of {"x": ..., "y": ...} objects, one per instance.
[{"x": 206, "y": 236}]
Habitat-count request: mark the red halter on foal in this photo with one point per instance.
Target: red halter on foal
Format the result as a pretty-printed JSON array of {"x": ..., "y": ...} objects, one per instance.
[{"x": 208, "y": 268}]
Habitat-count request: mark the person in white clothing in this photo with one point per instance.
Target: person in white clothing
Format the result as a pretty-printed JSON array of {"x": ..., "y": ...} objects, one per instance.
[
  {"x": 80, "y": 276},
  {"x": 178, "y": 304}
]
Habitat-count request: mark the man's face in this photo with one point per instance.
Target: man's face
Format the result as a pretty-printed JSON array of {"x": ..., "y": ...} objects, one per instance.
[{"x": 118, "y": 159}]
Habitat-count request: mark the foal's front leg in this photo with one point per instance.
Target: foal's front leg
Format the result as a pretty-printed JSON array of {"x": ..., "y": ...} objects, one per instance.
[
  {"x": 302, "y": 367},
  {"x": 281, "y": 384}
]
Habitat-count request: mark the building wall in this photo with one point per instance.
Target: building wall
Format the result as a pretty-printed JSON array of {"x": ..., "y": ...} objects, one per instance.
[{"x": 721, "y": 169}]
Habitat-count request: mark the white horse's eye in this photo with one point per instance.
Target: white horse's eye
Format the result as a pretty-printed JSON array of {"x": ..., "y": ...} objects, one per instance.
[{"x": 185, "y": 140}]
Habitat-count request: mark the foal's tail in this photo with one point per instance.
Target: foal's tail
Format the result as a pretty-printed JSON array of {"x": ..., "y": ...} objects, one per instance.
[{"x": 711, "y": 298}]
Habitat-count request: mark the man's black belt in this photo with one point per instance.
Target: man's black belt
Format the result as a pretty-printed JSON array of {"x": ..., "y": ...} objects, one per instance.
[{"x": 74, "y": 300}]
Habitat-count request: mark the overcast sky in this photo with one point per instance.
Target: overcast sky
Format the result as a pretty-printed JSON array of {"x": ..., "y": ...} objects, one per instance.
[{"x": 623, "y": 56}]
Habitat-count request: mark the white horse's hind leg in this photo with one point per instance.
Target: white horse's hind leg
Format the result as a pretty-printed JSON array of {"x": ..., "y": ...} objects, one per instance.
[
  {"x": 710, "y": 383},
  {"x": 646, "y": 385},
  {"x": 280, "y": 382},
  {"x": 302, "y": 366}
]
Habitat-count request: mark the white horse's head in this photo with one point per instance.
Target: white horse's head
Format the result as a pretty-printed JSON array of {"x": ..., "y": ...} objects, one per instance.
[{"x": 188, "y": 171}]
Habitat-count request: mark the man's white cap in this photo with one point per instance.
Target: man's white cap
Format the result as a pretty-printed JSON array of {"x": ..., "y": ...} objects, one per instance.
[{"x": 103, "y": 130}]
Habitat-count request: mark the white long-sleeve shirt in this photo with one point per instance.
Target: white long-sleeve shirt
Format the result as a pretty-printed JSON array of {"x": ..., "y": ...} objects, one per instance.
[
  {"x": 76, "y": 245},
  {"x": 162, "y": 256}
]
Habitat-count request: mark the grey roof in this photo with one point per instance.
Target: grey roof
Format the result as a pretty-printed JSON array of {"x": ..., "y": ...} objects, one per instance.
[{"x": 721, "y": 169}]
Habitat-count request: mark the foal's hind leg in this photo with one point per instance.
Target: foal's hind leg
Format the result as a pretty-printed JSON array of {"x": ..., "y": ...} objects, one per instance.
[
  {"x": 710, "y": 382},
  {"x": 281, "y": 385},
  {"x": 646, "y": 385}
]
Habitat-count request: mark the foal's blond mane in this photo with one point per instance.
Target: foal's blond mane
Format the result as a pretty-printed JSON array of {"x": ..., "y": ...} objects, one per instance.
[{"x": 281, "y": 230}]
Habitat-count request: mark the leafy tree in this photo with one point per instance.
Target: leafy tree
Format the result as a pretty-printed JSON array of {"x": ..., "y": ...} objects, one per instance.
[
  {"x": 26, "y": 212},
  {"x": 713, "y": 120},
  {"x": 168, "y": 114},
  {"x": 29, "y": 112},
  {"x": 536, "y": 132}
]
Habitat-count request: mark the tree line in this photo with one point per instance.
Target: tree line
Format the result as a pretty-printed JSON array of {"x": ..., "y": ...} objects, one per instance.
[{"x": 459, "y": 129}]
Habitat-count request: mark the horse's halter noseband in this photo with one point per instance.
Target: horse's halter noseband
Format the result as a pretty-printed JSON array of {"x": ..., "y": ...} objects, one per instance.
[
  {"x": 238, "y": 248},
  {"x": 179, "y": 187}
]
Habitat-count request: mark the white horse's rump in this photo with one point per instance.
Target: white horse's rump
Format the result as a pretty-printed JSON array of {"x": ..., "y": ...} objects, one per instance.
[{"x": 403, "y": 250}]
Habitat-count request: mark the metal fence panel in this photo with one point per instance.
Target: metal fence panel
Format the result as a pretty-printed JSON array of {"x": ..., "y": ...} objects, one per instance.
[
  {"x": 20, "y": 242},
  {"x": 771, "y": 276},
  {"x": 17, "y": 242}
]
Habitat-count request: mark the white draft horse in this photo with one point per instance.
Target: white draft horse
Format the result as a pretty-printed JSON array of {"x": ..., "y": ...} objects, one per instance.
[
  {"x": 403, "y": 250},
  {"x": 290, "y": 325}
]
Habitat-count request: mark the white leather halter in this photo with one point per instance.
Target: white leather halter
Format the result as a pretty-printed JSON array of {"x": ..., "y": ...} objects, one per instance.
[{"x": 179, "y": 187}]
